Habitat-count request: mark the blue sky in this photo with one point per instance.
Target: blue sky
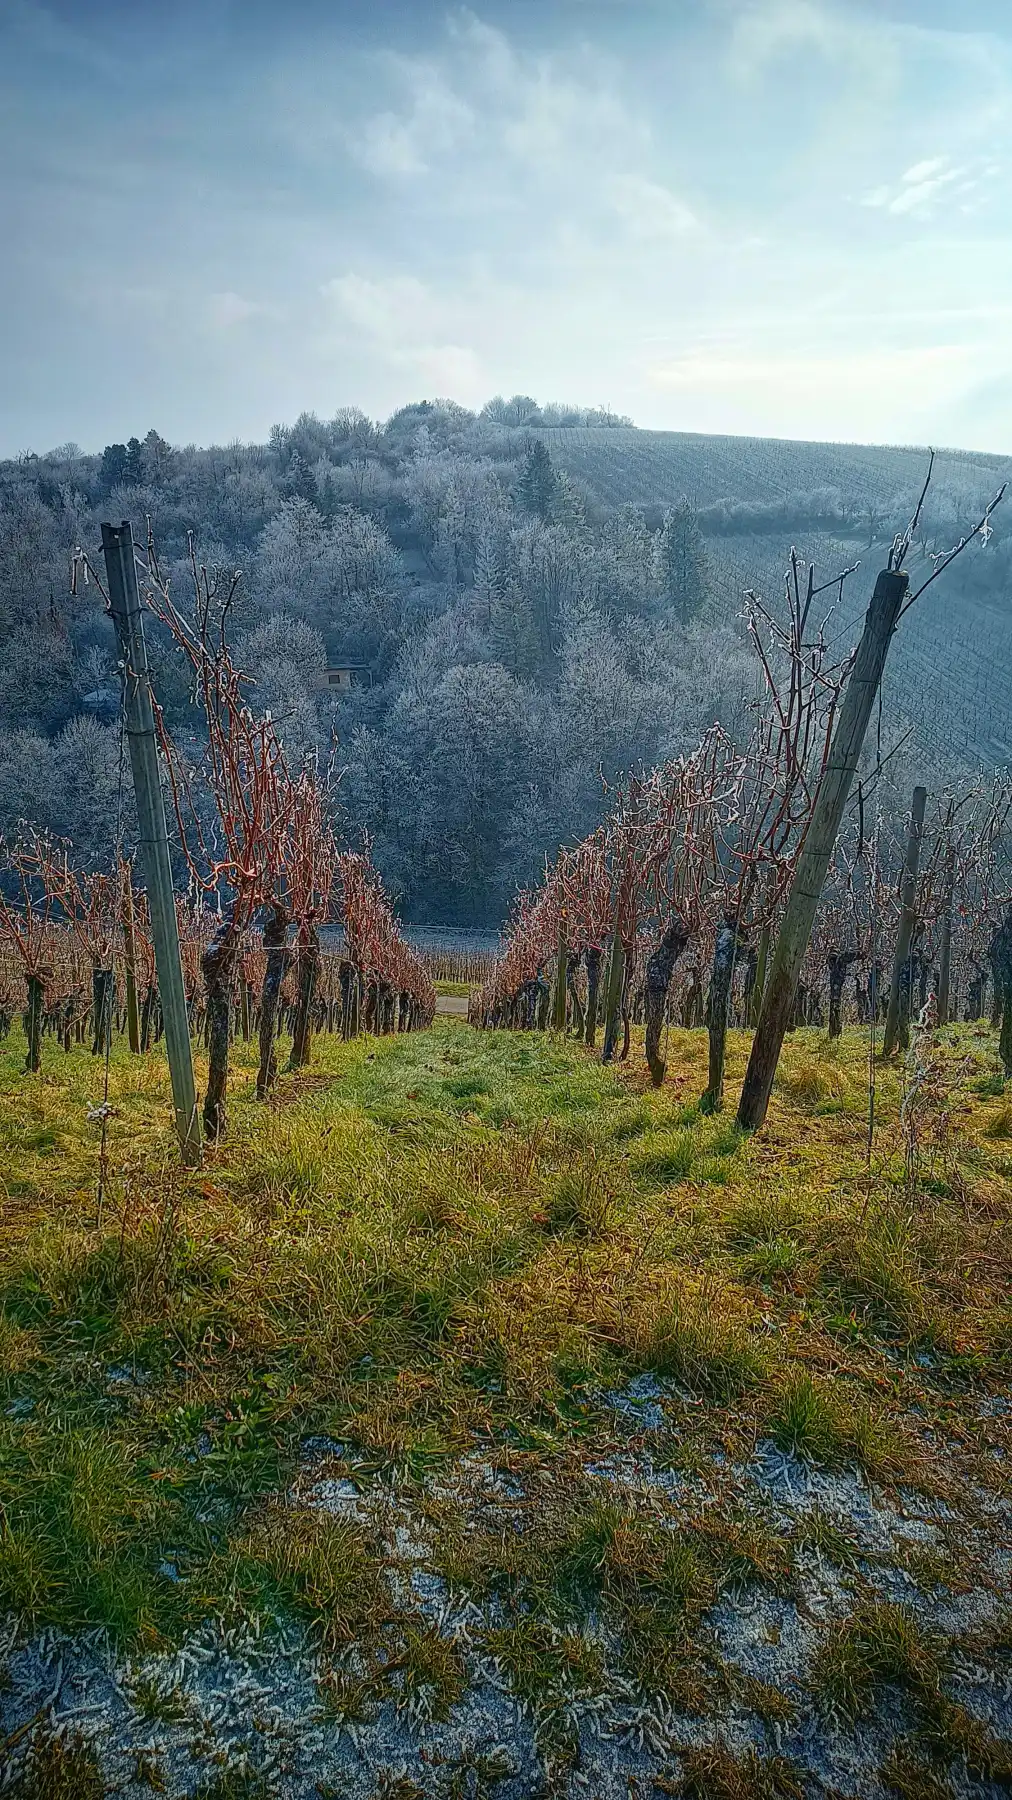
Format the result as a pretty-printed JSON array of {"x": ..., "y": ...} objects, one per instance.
[{"x": 788, "y": 217}]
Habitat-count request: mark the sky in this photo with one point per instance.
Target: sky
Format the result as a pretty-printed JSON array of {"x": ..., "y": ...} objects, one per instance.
[{"x": 778, "y": 217}]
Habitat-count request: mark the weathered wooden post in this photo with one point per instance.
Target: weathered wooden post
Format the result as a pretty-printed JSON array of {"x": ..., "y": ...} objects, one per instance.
[
  {"x": 945, "y": 936},
  {"x": 899, "y": 1000},
  {"x": 820, "y": 839},
  {"x": 561, "y": 967},
  {"x": 125, "y": 606},
  {"x": 755, "y": 998},
  {"x": 130, "y": 960}
]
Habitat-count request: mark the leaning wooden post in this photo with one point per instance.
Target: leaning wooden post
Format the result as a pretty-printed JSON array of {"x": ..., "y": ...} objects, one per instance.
[
  {"x": 125, "y": 606},
  {"x": 820, "y": 840},
  {"x": 945, "y": 944},
  {"x": 894, "y": 1026}
]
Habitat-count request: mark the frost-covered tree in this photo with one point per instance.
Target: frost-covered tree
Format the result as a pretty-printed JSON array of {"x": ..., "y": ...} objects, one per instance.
[{"x": 683, "y": 575}]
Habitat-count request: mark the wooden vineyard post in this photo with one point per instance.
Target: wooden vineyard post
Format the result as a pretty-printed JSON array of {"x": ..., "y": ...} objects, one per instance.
[
  {"x": 759, "y": 978},
  {"x": 895, "y": 1026},
  {"x": 820, "y": 840},
  {"x": 130, "y": 959},
  {"x": 125, "y": 606},
  {"x": 945, "y": 945},
  {"x": 561, "y": 967}
]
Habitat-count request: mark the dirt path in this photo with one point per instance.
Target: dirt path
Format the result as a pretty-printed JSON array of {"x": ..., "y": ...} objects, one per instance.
[{"x": 451, "y": 1006}]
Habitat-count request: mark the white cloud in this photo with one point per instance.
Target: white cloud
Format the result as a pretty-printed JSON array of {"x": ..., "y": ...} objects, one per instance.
[
  {"x": 849, "y": 41},
  {"x": 650, "y": 210},
  {"x": 548, "y": 112},
  {"x": 927, "y": 183},
  {"x": 806, "y": 371},
  {"x": 227, "y": 309},
  {"x": 856, "y": 389},
  {"x": 916, "y": 197},
  {"x": 922, "y": 170},
  {"x": 450, "y": 370},
  {"x": 434, "y": 121},
  {"x": 402, "y": 320},
  {"x": 390, "y": 307}
]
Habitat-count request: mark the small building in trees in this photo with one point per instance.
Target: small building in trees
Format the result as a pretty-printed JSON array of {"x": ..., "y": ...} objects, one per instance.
[{"x": 342, "y": 677}]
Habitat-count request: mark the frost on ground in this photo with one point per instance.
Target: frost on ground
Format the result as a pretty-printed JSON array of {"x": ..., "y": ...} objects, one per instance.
[{"x": 261, "y": 1698}]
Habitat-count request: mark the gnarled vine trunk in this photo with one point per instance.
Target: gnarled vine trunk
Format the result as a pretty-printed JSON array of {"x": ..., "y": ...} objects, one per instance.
[
  {"x": 103, "y": 996},
  {"x": 592, "y": 958},
  {"x": 308, "y": 975},
  {"x": 217, "y": 965},
  {"x": 717, "y": 1007},
  {"x": 660, "y": 968},
  {"x": 613, "y": 997},
  {"x": 148, "y": 1015},
  {"x": 575, "y": 1003},
  {"x": 279, "y": 958},
  {"x": 837, "y": 962},
  {"x": 33, "y": 1020}
]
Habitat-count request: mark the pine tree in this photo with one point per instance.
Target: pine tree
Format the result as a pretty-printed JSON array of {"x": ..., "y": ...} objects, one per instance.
[
  {"x": 513, "y": 635},
  {"x": 133, "y": 466},
  {"x": 684, "y": 575},
  {"x": 156, "y": 459},
  {"x": 538, "y": 485},
  {"x": 114, "y": 467},
  {"x": 568, "y": 506},
  {"x": 489, "y": 577}
]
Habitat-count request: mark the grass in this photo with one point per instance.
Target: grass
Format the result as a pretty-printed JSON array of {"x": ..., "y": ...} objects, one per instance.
[
  {"x": 822, "y": 1422},
  {"x": 310, "y": 1564},
  {"x": 883, "y": 1649},
  {"x": 59, "y": 1768},
  {"x": 448, "y": 1240},
  {"x": 715, "y": 1773},
  {"x": 880, "y": 1646},
  {"x": 701, "y": 1338}
]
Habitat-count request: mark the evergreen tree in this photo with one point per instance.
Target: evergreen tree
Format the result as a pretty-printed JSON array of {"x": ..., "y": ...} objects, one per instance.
[
  {"x": 133, "y": 466},
  {"x": 156, "y": 459},
  {"x": 513, "y": 634},
  {"x": 684, "y": 575},
  {"x": 488, "y": 577},
  {"x": 568, "y": 505},
  {"x": 114, "y": 467},
  {"x": 538, "y": 483}
]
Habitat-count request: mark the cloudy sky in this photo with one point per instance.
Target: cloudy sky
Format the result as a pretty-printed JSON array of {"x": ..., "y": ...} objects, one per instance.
[{"x": 788, "y": 217}]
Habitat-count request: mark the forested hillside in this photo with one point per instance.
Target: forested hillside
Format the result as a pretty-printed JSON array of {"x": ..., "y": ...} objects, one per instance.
[{"x": 529, "y": 601}]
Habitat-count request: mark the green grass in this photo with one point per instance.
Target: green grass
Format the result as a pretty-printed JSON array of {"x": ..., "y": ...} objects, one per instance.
[
  {"x": 825, "y": 1423},
  {"x": 881, "y": 1646},
  {"x": 440, "y": 1241}
]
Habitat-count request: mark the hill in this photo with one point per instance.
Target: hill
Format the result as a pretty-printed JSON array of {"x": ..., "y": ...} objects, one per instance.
[
  {"x": 511, "y": 614},
  {"x": 626, "y": 465},
  {"x": 950, "y": 677}
]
